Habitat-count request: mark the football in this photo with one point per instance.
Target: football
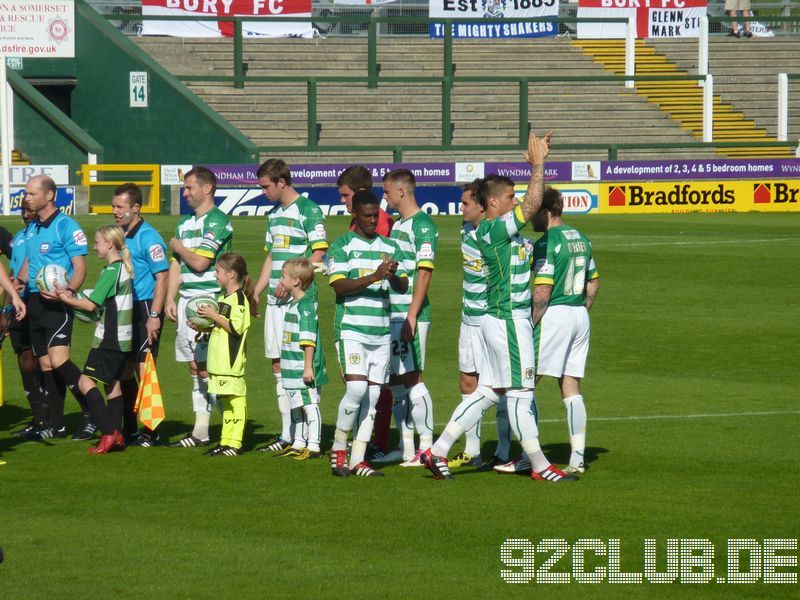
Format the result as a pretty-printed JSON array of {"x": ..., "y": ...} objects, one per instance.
[
  {"x": 50, "y": 277},
  {"x": 87, "y": 316},
  {"x": 200, "y": 323}
]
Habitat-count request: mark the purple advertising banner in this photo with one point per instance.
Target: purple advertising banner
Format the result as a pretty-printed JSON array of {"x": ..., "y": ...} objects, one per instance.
[
  {"x": 328, "y": 174},
  {"x": 520, "y": 172},
  {"x": 750, "y": 168}
]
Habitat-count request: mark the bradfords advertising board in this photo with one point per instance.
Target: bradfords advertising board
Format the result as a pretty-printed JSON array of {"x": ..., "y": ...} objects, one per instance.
[
  {"x": 494, "y": 9},
  {"x": 700, "y": 196}
]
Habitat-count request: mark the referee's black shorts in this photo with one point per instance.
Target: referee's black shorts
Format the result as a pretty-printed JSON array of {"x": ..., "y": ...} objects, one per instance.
[
  {"x": 19, "y": 334},
  {"x": 141, "y": 345},
  {"x": 50, "y": 324}
]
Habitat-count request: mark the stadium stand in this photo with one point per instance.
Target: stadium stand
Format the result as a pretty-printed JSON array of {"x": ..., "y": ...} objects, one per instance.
[
  {"x": 410, "y": 113},
  {"x": 263, "y": 115}
]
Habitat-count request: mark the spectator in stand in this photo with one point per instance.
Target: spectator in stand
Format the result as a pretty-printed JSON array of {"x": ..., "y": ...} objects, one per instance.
[{"x": 743, "y": 6}]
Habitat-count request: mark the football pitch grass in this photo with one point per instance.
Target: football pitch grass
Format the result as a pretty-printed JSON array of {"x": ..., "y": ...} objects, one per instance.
[{"x": 692, "y": 402}]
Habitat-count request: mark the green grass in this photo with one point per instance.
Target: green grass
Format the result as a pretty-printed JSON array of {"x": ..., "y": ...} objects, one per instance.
[{"x": 696, "y": 315}]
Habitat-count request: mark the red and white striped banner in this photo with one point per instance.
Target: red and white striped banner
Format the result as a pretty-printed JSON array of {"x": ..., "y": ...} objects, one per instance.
[
  {"x": 651, "y": 18},
  {"x": 227, "y": 8}
]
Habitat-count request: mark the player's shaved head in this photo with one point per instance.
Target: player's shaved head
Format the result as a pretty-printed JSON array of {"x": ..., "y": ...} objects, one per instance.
[
  {"x": 495, "y": 185},
  {"x": 402, "y": 178}
]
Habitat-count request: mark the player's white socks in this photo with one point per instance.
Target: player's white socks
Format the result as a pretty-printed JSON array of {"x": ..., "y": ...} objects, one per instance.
[
  {"x": 201, "y": 422},
  {"x": 503, "y": 430},
  {"x": 576, "y": 421},
  {"x": 521, "y": 411},
  {"x": 357, "y": 453},
  {"x": 535, "y": 454},
  {"x": 522, "y": 419},
  {"x": 202, "y": 414},
  {"x": 367, "y": 416},
  {"x": 284, "y": 408},
  {"x": 313, "y": 426},
  {"x": 349, "y": 406},
  {"x": 466, "y": 415},
  {"x": 472, "y": 435},
  {"x": 402, "y": 419},
  {"x": 422, "y": 413},
  {"x": 340, "y": 439},
  {"x": 298, "y": 435},
  {"x": 199, "y": 401}
]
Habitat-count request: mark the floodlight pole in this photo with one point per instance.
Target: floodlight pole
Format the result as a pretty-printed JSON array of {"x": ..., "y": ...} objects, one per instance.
[{"x": 5, "y": 136}]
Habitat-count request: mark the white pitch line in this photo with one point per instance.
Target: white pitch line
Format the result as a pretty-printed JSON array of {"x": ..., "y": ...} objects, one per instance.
[
  {"x": 698, "y": 242},
  {"x": 669, "y": 417},
  {"x": 597, "y": 241}
]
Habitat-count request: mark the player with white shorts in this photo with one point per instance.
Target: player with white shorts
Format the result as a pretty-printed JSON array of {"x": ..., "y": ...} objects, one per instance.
[
  {"x": 362, "y": 269},
  {"x": 295, "y": 229},
  {"x": 562, "y": 341},
  {"x": 506, "y": 326},
  {"x": 200, "y": 238},
  {"x": 565, "y": 288},
  {"x": 471, "y": 345},
  {"x": 417, "y": 237},
  {"x": 190, "y": 344}
]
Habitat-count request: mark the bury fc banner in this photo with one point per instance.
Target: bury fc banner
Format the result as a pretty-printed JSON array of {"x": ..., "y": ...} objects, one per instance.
[
  {"x": 494, "y": 9},
  {"x": 227, "y": 8},
  {"x": 651, "y": 18}
]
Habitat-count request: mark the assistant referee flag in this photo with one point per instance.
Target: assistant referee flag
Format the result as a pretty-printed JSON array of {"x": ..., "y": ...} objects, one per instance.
[{"x": 149, "y": 403}]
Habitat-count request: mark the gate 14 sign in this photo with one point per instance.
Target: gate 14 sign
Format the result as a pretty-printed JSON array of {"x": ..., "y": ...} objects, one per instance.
[{"x": 138, "y": 89}]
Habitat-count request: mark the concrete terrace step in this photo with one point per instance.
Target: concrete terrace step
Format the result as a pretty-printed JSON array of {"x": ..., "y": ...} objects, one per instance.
[{"x": 483, "y": 114}]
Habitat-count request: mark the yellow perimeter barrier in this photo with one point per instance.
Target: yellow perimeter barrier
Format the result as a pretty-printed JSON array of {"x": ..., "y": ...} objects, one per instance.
[{"x": 101, "y": 180}]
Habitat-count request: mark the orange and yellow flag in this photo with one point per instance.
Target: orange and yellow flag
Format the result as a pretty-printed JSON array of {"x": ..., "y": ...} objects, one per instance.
[{"x": 149, "y": 403}]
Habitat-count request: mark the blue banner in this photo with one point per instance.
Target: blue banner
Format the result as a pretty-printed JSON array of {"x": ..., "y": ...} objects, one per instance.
[
  {"x": 496, "y": 30},
  {"x": 435, "y": 200},
  {"x": 65, "y": 199}
]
